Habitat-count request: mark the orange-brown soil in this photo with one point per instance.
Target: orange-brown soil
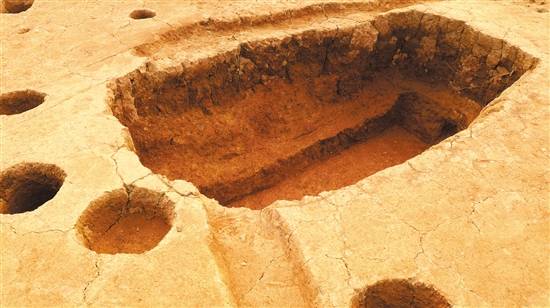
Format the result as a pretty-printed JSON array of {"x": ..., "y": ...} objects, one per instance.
[
  {"x": 133, "y": 233},
  {"x": 20, "y": 101},
  {"x": 295, "y": 133},
  {"x": 393, "y": 146},
  {"x": 400, "y": 293},
  {"x": 271, "y": 111},
  {"x": 27, "y": 186},
  {"x": 254, "y": 135},
  {"x": 119, "y": 222}
]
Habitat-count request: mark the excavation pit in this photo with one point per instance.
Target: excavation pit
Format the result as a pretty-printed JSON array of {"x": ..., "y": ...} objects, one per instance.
[
  {"x": 27, "y": 186},
  {"x": 142, "y": 14},
  {"x": 315, "y": 111},
  {"x": 20, "y": 101},
  {"x": 400, "y": 293},
  {"x": 15, "y": 6},
  {"x": 118, "y": 222}
]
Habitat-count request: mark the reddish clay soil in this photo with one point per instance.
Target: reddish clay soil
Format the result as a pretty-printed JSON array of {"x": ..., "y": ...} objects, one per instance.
[
  {"x": 20, "y": 101},
  {"x": 393, "y": 146},
  {"x": 271, "y": 117},
  {"x": 284, "y": 140},
  {"x": 27, "y": 186},
  {"x": 400, "y": 293},
  {"x": 121, "y": 223},
  {"x": 240, "y": 139},
  {"x": 133, "y": 233}
]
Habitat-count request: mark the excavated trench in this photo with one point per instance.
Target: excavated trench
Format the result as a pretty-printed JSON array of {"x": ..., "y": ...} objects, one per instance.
[{"x": 284, "y": 118}]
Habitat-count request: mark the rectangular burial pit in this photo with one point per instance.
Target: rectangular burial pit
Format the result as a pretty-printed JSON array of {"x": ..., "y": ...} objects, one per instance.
[{"x": 284, "y": 118}]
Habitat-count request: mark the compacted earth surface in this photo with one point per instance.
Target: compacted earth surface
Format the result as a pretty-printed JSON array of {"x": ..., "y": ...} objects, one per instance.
[{"x": 278, "y": 153}]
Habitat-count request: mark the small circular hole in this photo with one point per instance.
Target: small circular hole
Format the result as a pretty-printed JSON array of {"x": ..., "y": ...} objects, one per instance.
[
  {"x": 118, "y": 222},
  {"x": 15, "y": 6},
  {"x": 20, "y": 101},
  {"x": 142, "y": 14},
  {"x": 400, "y": 293},
  {"x": 25, "y": 187}
]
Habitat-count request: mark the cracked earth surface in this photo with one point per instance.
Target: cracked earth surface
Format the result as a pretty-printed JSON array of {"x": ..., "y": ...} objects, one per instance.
[{"x": 468, "y": 216}]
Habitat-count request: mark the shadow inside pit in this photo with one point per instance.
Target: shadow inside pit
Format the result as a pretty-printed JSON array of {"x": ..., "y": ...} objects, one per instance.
[{"x": 399, "y": 293}]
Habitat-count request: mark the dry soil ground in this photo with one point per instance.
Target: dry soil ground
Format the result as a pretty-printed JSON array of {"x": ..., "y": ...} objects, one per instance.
[{"x": 276, "y": 153}]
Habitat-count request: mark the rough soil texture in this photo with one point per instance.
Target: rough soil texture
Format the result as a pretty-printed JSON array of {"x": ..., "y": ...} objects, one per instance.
[
  {"x": 15, "y": 6},
  {"x": 278, "y": 130},
  {"x": 392, "y": 146},
  {"x": 25, "y": 187},
  {"x": 20, "y": 101},
  {"x": 125, "y": 222},
  {"x": 400, "y": 293},
  {"x": 113, "y": 146}
]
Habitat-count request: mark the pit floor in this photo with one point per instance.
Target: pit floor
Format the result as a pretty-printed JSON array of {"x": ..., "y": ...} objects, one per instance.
[{"x": 392, "y": 147}]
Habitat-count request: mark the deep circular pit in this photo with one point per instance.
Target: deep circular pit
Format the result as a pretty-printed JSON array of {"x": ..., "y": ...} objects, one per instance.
[
  {"x": 25, "y": 187},
  {"x": 20, "y": 101},
  {"x": 142, "y": 14},
  {"x": 16, "y": 6},
  {"x": 121, "y": 222},
  {"x": 400, "y": 293}
]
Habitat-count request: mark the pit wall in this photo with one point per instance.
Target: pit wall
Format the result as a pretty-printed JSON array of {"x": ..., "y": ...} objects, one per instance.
[{"x": 423, "y": 45}]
